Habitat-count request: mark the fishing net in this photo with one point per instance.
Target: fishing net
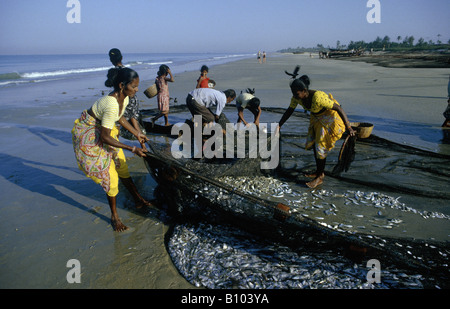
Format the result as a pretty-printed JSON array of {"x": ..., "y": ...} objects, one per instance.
[{"x": 230, "y": 190}]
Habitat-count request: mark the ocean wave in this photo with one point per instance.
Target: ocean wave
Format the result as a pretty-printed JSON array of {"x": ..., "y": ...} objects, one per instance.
[
  {"x": 130, "y": 64},
  {"x": 8, "y": 78},
  {"x": 22, "y": 81},
  {"x": 37, "y": 75},
  {"x": 61, "y": 67}
]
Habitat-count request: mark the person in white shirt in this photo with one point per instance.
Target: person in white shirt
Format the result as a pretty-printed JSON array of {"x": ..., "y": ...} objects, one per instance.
[
  {"x": 248, "y": 101},
  {"x": 209, "y": 103}
]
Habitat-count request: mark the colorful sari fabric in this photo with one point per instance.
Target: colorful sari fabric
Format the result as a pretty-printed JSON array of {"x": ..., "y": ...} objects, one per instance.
[
  {"x": 100, "y": 162},
  {"x": 326, "y": 127}
]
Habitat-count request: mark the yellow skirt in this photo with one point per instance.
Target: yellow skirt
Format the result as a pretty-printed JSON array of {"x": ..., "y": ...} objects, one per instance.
[
  {"x": 102, "y": 163},
  {"x": 325, "y": 129}
]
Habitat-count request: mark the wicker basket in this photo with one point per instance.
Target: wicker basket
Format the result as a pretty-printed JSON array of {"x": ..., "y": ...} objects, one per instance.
[
  {"x": 363, "y": 129},
  {"x": 151, "y": 91}
]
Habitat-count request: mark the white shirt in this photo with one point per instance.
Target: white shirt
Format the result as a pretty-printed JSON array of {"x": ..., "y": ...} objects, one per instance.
[
  {"x": 243, "y": 99},
  {"x": 209, "y": 97},
  {"x": 106, "y": 110}
]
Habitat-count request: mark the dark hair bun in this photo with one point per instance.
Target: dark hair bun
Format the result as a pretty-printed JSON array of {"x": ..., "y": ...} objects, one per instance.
[
  {"x": 116, "y": 76},
  {"x": 112, "y": 76},
  {"x": 115, "y": 56},
  {"x": 305, "y": 80}
]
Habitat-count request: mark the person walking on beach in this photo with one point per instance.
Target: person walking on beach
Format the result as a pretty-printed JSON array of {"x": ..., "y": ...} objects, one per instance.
[
  {"x": 132, "y": 113},
  {"x": 203, "y": 80},
  {"x": 248, "y": 101},
  {"x": 328, "y": 123},
  {"x": 162, "y": 84},
  {"x": 99, "y": 153}
]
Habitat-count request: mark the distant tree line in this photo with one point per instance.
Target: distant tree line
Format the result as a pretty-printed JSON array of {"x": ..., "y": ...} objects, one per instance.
[{"x": 401, "y": 43}]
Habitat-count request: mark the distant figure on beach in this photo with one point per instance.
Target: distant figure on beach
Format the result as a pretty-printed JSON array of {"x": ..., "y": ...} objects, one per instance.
[
  {"x": 264, "y": 57},
  {"x": 447, "y": 111},
  {"x": 259, "y": 56},
  {"x": 99, "y": 153},
  {"x": 209, "y": 103},
  {"x": 248, "y": 101},
  {"x": 164, "y": 76},
  {"x": 203, "y": 80},
  {"x": 132, "y": 113},
  {"x": 328, "y": 122}
]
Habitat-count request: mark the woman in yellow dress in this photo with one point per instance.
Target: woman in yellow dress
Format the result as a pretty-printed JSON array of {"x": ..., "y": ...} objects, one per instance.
[
  {"x": 98, "y": 152},
  {"x": 327, "y": 123}
]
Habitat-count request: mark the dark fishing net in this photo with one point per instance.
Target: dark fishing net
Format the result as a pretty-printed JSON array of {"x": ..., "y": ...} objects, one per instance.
[
  {"x": 346, "y": 156},
  {"x": 194, "y": 190}
]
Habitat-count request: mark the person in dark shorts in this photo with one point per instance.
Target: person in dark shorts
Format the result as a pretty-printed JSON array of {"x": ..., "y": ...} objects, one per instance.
[{"x": 249, "y": 101}]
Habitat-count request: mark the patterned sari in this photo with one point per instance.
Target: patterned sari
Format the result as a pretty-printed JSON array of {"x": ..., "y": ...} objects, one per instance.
[{"x": 93, "y": 157}]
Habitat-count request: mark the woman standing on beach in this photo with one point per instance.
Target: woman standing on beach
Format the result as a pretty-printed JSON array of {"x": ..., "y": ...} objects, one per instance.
[
  {"x": 162, "y": 84},
  {"x": 97, "y": 148},
  {"x": 132, "y": 113},
  {"x": 327, "y": 123}
]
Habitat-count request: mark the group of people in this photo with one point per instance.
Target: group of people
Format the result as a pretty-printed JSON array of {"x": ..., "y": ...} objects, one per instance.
[
  {"x": 209, "y": 103},
  {"x": 100, "y": 154},
  {"x": 262, "y": 57}
]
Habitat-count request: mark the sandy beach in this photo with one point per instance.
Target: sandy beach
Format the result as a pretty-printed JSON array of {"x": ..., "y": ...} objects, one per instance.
[{"x": 52, "y": 213}]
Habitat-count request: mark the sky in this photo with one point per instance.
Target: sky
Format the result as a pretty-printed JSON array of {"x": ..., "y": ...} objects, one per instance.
[{"x": 212, "y": 26}]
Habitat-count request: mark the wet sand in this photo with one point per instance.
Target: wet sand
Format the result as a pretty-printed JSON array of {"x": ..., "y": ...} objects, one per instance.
[{"x": 52, "y": 213}]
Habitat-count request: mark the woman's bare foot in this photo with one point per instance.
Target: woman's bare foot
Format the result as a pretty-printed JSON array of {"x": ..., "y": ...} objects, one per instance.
[
  {"x": 118, "y": 226},
  {"x": 315, "y": 182}
]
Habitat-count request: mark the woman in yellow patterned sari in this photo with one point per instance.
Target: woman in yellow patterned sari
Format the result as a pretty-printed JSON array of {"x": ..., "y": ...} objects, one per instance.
[
  {"x": 327, "y": 123},
  {"x": 97, "y": 148}
]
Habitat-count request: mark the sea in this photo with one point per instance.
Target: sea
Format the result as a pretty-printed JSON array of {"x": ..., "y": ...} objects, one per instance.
[{"x": 31, "y": 75}]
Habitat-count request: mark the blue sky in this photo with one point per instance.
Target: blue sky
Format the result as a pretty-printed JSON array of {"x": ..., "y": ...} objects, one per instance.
[{"x": 41, "y": 27}]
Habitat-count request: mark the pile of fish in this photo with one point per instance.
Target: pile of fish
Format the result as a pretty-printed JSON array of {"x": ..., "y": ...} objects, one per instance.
[
  {"x": 345, "y": 211},
  {"x": 224, "y": 257},
  {"x": 219, "y": 256}
]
